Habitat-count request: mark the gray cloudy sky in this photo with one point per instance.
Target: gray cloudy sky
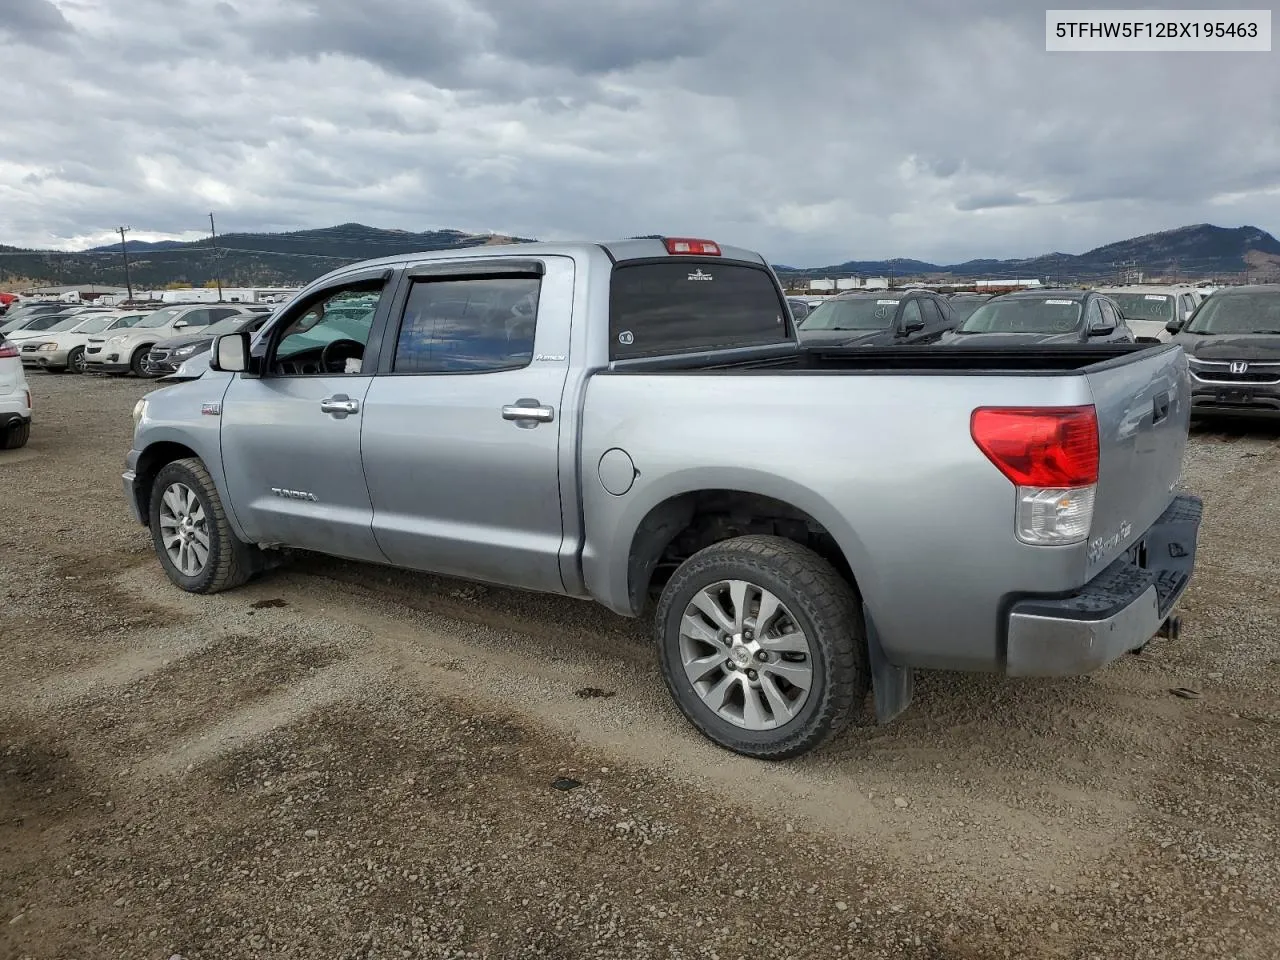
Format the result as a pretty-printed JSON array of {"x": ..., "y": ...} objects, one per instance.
[{"x": 814, "y": 130}]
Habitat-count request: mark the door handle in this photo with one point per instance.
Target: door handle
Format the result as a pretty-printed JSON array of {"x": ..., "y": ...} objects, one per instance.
[
  {"x": 528, "y": 412},
  {"x": 339, "y": 405},
  {"x": 1160, "y": 408}
]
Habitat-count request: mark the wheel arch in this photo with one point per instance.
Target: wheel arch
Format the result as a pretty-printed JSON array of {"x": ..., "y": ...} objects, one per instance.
[{"x": 695, "y": 515}]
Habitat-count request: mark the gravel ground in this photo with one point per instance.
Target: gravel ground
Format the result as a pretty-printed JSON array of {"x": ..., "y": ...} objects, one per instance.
[{"x": 344, "y": 761}]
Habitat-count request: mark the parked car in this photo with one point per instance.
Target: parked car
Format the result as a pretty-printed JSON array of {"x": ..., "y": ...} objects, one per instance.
[
  {"x": 127, "y": 352},
  {"x": 28, "y": 309},
  {"x": 167, "y": 355},
  {"x": 1042, "y": 317},
  {"x": 878, "y": 318},
  {"x": 476, "y": 414},
  {"x": 15, "y": 398},
  {"x": 1232, "y": 343},
  {"x": 1148, "y": 309},
  {"x": 34, "y": 325},
  {"x": 58, "y": 350}
]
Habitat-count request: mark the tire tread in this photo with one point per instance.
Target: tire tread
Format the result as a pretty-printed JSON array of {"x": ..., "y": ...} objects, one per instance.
[{"x": 235, "y": 559}]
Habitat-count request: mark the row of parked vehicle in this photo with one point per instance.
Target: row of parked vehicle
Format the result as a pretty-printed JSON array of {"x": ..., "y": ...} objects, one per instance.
[
  {"x": 1042, "y": 315},
  {"x": 148, "y": 342}
]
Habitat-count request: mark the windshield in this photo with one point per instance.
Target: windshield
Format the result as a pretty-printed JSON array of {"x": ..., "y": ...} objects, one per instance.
[
  {"x": 66, "y": 323},
  {"x": 45, "y": 322},
  {"x": 226, "y": 325},
  {"x": 123, "y": 323},
  {"x": 1226, "y": 313},
  {"x": 1027, "y": 315},
  {"x": 961, "y": 309},
  {"x": 862, "y": 313},
  {"x": 160, "y": 317},
  {"x": 1144, "y": 306},
  {"x": 94, "y": 324}
]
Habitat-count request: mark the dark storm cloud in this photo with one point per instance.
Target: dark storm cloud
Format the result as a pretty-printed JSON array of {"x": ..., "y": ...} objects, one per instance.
[
  {"x": 816, "y": 130},
  {"x": 27, "y": 21}
]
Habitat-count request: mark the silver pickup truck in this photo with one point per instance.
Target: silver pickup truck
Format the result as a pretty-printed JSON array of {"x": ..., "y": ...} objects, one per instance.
[{"x": 638, "y": 420}]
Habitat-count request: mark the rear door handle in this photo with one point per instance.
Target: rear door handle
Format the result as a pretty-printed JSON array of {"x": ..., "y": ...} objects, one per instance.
[
  {"x": 528, "y": 412},
  {"x": 340, "y": 405},
  {"x": 1159, "y": 408}
]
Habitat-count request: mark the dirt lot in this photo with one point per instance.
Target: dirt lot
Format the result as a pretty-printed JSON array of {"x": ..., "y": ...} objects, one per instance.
[{"x": 342, "y": 761}]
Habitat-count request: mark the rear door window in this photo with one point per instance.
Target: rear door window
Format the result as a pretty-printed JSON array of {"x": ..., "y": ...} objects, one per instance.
[
  {"x": 664, "y": 308},
  {"x": 478, "y": 325}
]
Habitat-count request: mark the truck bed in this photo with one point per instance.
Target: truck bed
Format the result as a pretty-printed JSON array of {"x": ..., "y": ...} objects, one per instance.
[{"x": 1028, "y": 360}]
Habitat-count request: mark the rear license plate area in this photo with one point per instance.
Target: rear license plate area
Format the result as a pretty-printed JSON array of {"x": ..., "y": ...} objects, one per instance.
[{"x": 1137, "y": 554}]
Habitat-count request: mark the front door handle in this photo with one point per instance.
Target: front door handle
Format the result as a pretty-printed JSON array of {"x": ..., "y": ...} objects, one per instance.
[
  {"x": 340, "y": 405},
  {"x": 528, "y": 413}
]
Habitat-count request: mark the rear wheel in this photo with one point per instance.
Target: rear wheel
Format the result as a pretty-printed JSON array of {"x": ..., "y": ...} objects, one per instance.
[
  {"x": 75, "y": 360},
  {"x": 138, "y": 362},
  {"x": 196, "y": 545},
  {"x": 15, "y": 436},
  {"x": 762, "y": 646}
]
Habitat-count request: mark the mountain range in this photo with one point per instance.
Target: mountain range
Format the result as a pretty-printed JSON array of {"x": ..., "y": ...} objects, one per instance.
[{"x": 288, "y": 259}]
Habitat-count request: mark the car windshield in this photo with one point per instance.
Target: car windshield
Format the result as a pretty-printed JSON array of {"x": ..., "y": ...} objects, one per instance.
[
  {"x": 94, "y": 324},
  {"x": 1144, "y": 306},
  {"x": 861, "y": 313},
  {"x": 123, "y": 323},
  {"x": 45, "y": 321},
  {"x": 1024, "y": 315},
  {"x": 1237, "y": 313},
  {"x": 66, "y": 323},
  {"x": 160, "y": 317},
  {"x": 963, "y": 307},
  {"x": 226, "y": 325}
]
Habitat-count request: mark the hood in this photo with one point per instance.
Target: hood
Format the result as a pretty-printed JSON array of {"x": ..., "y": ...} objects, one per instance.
[
  {"x": 1231, "y": 346},
  {"x": 847, "y": 338},
  {"x": 183, "y": 340},
  {"x": 951, "y": 338}
]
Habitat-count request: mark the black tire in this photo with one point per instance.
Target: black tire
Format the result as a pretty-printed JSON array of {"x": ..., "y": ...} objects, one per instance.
[
  {"x": 824, "y": 606},
  {"x": 75, "y": 360},
  {"x": 138, "y": 359},
  {"x": 231, "y": 561},
  {"x": 15, "y": 436}
]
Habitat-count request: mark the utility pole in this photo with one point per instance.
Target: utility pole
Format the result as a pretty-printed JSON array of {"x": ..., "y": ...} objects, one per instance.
[
  {"x": 217, "y": 274},
  {"x": 124, "y": 249}
]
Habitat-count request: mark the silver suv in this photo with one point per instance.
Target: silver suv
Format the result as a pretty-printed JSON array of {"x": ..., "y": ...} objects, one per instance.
[{"x": 127, "y": 351}]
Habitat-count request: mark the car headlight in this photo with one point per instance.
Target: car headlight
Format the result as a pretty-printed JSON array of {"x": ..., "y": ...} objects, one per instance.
[
  {"x": 46, "y": 348},
  {"x": 115, "y": 340},
  {"x": 139, "y": 410},
  {"x": 186, "y": 351}
]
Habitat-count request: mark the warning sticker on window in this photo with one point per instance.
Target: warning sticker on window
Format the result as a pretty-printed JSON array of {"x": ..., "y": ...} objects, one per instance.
[
  {"x": 887, "y": 303},
  {"x": 1060, "y": 303},
  {"x": 1151, "y": 296}
]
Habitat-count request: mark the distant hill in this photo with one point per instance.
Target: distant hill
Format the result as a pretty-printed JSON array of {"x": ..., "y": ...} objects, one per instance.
[
  {"x": 241, "y": 259},
  {"x": 1193, "y": 252},
  {"x": 287, "y": 259}
]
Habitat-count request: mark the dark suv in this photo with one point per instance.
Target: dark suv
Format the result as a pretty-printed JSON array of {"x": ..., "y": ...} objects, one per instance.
[
  {"x": 1045, "y": 316},
  {"x": 1232, "y": 343},
  {"x": 877, "y": 318}
]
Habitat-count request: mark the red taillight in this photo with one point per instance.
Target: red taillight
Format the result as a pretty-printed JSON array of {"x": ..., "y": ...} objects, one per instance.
[
  {"x": 7, "y": 350},
  {"x": 1040, "y": 446},
  {"x": 684, "y": 246}
]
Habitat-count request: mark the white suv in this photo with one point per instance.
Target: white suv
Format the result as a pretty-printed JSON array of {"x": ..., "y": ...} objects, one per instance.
[
  {"x": 127, "y": 351},
  {"x": 15, "y": 399}
]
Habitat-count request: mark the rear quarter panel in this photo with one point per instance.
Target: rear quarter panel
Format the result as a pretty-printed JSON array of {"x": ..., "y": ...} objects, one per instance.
[{"x": 884, "y": 462}]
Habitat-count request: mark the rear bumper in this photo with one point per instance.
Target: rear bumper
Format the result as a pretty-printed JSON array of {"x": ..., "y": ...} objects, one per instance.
[
  {"x": 1116, "y": 612},
  {"x": 12, "y": 419}
]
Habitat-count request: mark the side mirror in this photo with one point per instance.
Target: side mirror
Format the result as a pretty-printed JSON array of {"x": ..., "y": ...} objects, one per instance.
[
  {"x": 1173, "y": 326},
  {"x": 230, "y": 353},
  {"x": 912, "y": 326},
  {"x": 1101, "y": 331},
  {"x": 179, "y": 324}
]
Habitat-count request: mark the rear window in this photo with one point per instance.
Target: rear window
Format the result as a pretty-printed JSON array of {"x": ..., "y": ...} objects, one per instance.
[{"x": 686, "y": 306}]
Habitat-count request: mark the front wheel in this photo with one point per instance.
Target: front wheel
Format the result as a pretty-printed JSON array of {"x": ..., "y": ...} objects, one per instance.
[
  {"x": 75, "y": 360},
  {"x": 762, "y": 646},
  {"x": 138, "y": 362},
  {"x": 196, "y": 545}
]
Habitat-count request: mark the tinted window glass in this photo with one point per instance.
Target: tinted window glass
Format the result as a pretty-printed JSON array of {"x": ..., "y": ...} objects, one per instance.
[
  {"x": 657, "y": 309},
  {"x": 855, "y": 313},
  {"x": 1238, "y": 313},
  {"x": 1108, "y": 314},
  {"x": 911, "y": 314},
  {"x": 468, "y": 326}
]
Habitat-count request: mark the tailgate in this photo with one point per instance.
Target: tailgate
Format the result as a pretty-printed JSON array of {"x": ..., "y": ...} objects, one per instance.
[{"x": 1143, "y": 401}]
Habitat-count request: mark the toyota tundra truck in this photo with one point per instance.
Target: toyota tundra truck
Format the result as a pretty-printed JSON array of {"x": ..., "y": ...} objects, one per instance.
[{"x": 637, "y": 423}]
